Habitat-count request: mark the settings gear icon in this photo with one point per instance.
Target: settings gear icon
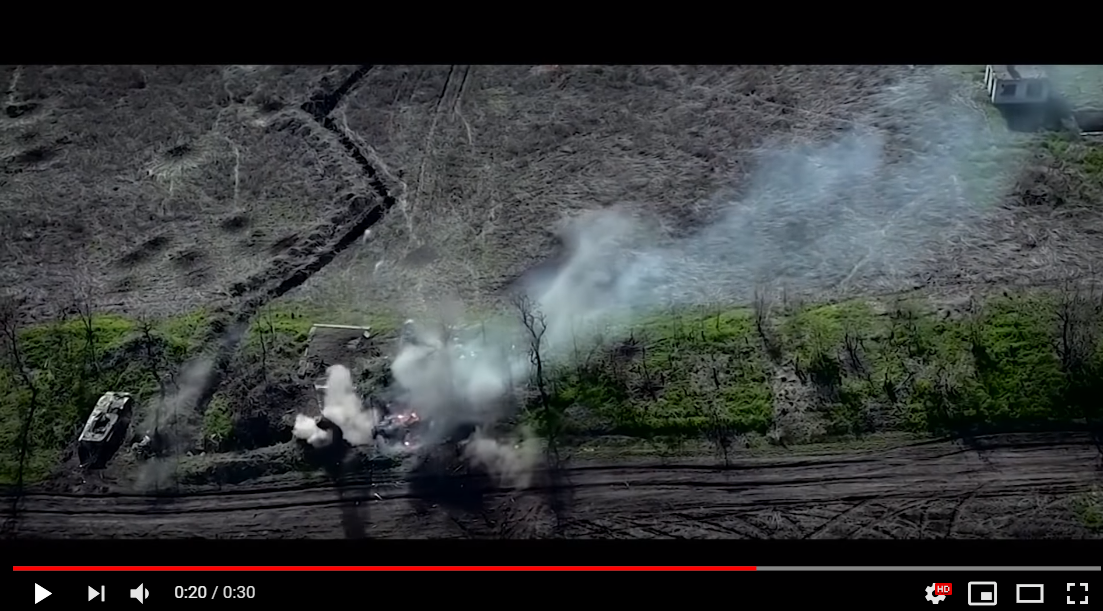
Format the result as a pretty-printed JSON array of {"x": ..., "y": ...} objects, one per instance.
[{"x": 931, "y": 598}]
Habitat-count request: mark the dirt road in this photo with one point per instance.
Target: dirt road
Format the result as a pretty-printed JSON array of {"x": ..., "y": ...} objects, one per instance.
[{"x": 1023, "y": 486}]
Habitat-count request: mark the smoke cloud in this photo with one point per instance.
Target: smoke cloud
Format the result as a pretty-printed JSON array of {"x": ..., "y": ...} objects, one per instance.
[
  {"x": 343, "y": 407},
  {"x": 307, "y": 429},
  {"x": 871, "y": 208},
  {"x": 1083, "y": 84},
  {"x": 449, "y": 383},
  {"x": 510, "y": 460},
  {"x": 171, "y": 424}
]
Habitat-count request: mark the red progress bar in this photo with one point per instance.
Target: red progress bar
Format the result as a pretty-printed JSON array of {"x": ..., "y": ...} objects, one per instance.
[{"x": 382, "y": 568}]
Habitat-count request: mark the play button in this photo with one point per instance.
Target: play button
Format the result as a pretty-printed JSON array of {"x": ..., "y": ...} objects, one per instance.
[{"x": 40, "y": 593}]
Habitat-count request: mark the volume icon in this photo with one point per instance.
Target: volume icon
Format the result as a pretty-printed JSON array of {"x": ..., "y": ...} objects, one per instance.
[{"x": 140, "y": 593}]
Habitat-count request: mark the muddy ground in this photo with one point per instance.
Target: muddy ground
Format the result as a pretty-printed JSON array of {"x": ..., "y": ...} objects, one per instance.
[{"x": 1020, "y": 486}]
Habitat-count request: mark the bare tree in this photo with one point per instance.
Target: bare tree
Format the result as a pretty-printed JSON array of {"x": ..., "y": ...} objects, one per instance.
[
  {"x": 651, "y": 381},
  {"x": 720, "y": 431},
  {"x": 535, "y": 324},
  {"x": 1078, "y": 314},
  {"x": 266, "y": 333},
  {"x": 854, "y": 347},
  {"x": 154, "y": 356},
  {"x": 764, "y": 326},
  {"x": 84, "y": 307},
  {"x": 9, "y": 340}
]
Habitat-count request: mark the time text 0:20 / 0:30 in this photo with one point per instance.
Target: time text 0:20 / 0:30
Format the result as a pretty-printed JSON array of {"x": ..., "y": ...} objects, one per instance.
[{"x": 203, "y": 592}]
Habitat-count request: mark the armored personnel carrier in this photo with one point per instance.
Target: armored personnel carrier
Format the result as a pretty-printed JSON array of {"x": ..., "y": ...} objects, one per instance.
[{"x": 105, "y": 429}]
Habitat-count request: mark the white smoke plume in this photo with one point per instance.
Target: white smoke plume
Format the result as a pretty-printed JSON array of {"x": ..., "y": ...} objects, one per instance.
[
  {"x": 307, "y": 429},
  {"x": 1082, "y": 84},
  {"x": 511, "y": 460},
  {"x": 343, "y": 407},
  {"x": 454, "y": 381},
  {"x": 171, "y": 424},
  {"x": 873, "y": 207},
  {"x": 175, "y": 414},
  {"x": 448, "y": 384}
]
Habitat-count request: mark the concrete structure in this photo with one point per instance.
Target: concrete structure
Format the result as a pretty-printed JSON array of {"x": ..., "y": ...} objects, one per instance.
[
  {"x": 1016, "y": 85},
  {"x": 105, "y": 428}
]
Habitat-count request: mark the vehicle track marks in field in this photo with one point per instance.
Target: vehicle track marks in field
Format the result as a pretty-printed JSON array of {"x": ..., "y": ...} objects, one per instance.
[
  {"x": 427, "y": 149},
  {"x": 924, "y": 497},
  {"x": 955, "y": 516},
  {"x": 838, "y": 517}
]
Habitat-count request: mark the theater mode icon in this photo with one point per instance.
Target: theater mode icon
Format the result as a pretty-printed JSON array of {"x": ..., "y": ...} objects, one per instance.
[{"x": 1030, "y": 593}]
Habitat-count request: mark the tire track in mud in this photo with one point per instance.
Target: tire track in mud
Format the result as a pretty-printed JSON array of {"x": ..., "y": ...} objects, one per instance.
[
  {"x": 831, "y": 497},
  {"x": 409, "y": 208}
]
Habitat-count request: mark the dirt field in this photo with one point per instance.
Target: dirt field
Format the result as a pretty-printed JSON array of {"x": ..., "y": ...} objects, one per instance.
[
  {"x": 1011, "y": 487},
  {"x": 154, "y": 191}
]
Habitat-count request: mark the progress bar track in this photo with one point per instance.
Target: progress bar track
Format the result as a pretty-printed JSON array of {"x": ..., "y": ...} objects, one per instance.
[{"x": 931, "y": 568}]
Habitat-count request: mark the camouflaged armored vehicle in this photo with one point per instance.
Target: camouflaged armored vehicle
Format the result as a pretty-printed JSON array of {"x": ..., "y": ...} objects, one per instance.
[{"x": 105, "y": 429}]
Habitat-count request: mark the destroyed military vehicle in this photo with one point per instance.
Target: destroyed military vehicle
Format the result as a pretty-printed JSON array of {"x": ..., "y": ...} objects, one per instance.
[
  {"x": 400, "y": 427},
  {"x": 105, "y": 429}
]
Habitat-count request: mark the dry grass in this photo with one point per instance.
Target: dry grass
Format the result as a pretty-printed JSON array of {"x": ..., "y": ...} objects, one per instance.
[
  {"x": 494, "y": 158},
  {"x": 157, "y": 186}
]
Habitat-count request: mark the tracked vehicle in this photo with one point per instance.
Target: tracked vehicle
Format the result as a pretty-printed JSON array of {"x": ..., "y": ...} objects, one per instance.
[{"x": 105, "y": 429}]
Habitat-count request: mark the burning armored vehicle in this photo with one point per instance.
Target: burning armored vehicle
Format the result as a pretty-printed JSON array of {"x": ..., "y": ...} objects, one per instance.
[
  {"x": 399, "y": 426},
  {"x": 406, "y": 430},
  {"x": 105, "y": 429}
]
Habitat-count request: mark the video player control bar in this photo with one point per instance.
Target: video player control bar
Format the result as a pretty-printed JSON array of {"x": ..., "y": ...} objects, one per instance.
[{"x": 267, "y": 586}]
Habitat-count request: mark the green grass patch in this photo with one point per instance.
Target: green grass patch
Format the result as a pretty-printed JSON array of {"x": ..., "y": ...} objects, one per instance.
[
  {"x": 1092, "y": 160},
  {"x": 278, "y": 335},
  {"x": 1083, "y": 158},
  {"x": 868, "y": 366},
  {"x": 290, "y": 322},
  {"x": 676, "y": 374},
  {"x": 871, "y": 367},
  {"x": 1089, "y": 509},
  {"x": 218, "y": 421},
  {"x": 69, "y": 364}
]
